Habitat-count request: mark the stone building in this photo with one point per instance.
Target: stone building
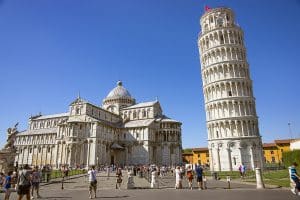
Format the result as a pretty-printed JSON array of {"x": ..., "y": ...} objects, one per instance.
[
  {"x": 232, "y": 123},
  {"x": 120, "y": 132}
]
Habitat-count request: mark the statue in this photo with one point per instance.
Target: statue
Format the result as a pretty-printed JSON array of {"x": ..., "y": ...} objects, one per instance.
[
  {"x": 11, "y": 136},
  {"x": 7, "y": 154}
]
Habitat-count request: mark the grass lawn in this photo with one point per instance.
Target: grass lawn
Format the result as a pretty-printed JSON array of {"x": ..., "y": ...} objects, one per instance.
[{"x": 272, "y": 177}]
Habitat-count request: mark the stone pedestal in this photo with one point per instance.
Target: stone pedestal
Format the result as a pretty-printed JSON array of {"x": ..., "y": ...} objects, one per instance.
[
  {"x": 7, "y": 159},
  {"x": 154, "y": 181},
  {"x": 259, "y": 181},
  {"x": 130, "y": 181}
]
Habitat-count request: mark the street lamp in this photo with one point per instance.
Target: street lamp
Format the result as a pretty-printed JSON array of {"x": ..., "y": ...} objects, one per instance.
[
  {"x": 290, "y": 130},
  {"x": 97, "y": 162}
]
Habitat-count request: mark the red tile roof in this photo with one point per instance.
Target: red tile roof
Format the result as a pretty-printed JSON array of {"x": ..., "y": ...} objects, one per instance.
[
  {"x": 200, "y": 149},
  {"x": 286, "y": 141},
  {"x": 269, "y": 145}
]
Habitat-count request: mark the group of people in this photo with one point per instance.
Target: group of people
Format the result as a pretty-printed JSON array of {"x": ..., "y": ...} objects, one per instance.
[
  {"x": 25, "y": 182},
  {"x": 190, "y": 173}
]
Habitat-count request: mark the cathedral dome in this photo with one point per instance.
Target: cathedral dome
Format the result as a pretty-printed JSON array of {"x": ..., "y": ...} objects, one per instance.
[{"x": 118, "y": 92}]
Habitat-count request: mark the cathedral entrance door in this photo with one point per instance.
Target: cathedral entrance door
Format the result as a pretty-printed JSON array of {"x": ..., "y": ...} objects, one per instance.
[{"x": 112, "y": 160}]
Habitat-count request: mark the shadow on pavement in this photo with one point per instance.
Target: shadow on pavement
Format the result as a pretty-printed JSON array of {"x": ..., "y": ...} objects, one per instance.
[
  {"x": 56, "y": 198},
  {"x": 124, "y": 196}
]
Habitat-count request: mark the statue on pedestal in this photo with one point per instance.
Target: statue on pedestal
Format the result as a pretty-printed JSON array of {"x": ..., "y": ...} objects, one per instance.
[
  {"x": 7, "y": 154},
  {"x": 11, "y": 136}
]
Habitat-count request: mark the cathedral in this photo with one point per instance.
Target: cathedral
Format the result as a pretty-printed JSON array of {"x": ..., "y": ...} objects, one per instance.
[{"x": 120, "y": 132}]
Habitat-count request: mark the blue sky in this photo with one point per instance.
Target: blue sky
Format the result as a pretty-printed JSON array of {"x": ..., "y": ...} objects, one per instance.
[{"x": 51, "y": 49}]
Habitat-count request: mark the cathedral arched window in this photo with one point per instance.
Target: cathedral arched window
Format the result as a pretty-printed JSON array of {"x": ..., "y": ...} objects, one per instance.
[{"x": 134, "y": 114}]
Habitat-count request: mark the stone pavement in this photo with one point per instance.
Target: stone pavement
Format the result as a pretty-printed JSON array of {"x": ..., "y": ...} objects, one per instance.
[{"x": 77, "y": 188}]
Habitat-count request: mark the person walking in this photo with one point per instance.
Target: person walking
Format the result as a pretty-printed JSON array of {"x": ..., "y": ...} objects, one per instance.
[
  {"x": 92, "y": 182},
  {"x": 23, "y": 183},
  {"x": 199, "y": 174},
  {"x": 7, "y": 185},
  {"x": 295, "y": 177},
  {"x": 35, "y": 182},
  {"x": 2, "y": 179},
  {"x": 190, "y": 176},
  {"x": 119, "y": 178},
  {"x": 178, "y": 178}
]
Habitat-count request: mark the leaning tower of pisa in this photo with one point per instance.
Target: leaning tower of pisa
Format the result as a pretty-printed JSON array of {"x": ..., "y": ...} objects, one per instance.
[{"x": 232, "y": 123}]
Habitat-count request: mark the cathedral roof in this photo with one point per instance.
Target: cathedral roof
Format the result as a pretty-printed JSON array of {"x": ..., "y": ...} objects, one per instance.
[
  {"x": 52, "y": 116},
  {"x": 138, "y": 123},
  {"x": 38, "y": 131},
  {"x": 118, "y": 92},
  {"x": 141, "y": 105},
  {"x": 166, "y": 119}
]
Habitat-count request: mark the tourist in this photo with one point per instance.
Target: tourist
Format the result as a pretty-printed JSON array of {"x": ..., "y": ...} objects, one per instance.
[
  {"x": 7, "y": 185},
  {"x": 178, "y": 177},
  {"x": 92, "y": 181},
  {"x": 242, "y": 170},
  {"x": 119, "y": 178},
  {"x": 199, "y": 174},
  {"x": 295, "y": 177},
  {"x": 190, "y": 176},
  {"x": 35, "y": 182},
  {"x": 2, "y": 179},
  {"x": 23, "y": 183},
  {"x": 107, "y": 172}
]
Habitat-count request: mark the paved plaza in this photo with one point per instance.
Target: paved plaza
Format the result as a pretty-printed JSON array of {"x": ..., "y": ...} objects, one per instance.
[{"x": 77, "y": 188}]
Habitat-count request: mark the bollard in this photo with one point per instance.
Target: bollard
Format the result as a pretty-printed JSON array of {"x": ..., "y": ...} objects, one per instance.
[
  {"x": 62, "y": 183},
  {"x": 154, "y": 182},
  {"x": 204, "y": 183},
  {"x": 259, "y": 181},
  {"x": 228, "y": 181},
  {"x": 130, "y": 181}
]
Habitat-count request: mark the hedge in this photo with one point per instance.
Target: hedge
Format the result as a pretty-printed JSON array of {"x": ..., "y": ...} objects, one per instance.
[{"x": 290, "y": 156}]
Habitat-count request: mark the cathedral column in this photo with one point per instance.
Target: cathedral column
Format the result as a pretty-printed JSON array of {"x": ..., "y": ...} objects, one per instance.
[
  {"x": 46, "y": 161},
  {"x": 50, "y": 161},
  {"x": 56, "y": 157},
  {"x": 218, "y": 159},
  {"x": 61, "y": 153},
  {"x": 75, "y": 154},
  {"x": 88, "y": 157},
  {"x": 252, "y": 158},
  {"x": 42, "y": 147},
  {"x": 241, "y": 155},
  {"x": 23, "y": 153},
  {"x": 229, "y": 158}
]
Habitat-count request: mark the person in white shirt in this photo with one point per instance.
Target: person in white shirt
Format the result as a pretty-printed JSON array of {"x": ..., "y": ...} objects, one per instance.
[
  {"x": 178, "y": 175},
  {"x": 92, "y": 181}
]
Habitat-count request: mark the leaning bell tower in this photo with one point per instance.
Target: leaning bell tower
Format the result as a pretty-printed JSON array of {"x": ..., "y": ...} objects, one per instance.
[{"x": 232, "y": 123}]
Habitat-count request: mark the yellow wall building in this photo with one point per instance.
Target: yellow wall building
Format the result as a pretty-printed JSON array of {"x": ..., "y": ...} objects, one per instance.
[
  {"x": 200, "y": 156},
  {"x": 273, "y": 151},
  {"x": 196, "y": 156},
  {"x": 187, "y": 157}
]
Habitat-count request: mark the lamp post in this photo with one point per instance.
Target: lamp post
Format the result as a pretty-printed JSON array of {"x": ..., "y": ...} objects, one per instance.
[
  {"x": 97, "y": 162},
  {"x": 290, "y": 130}
]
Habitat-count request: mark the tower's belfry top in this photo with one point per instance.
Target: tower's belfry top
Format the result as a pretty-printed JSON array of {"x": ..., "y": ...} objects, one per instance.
[
  {"x": 232, "y": 123},
  {"x": 217, "y": 18}
]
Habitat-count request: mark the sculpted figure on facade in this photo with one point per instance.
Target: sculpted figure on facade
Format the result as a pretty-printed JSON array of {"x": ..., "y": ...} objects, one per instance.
[{"x": 11, "y": 136}]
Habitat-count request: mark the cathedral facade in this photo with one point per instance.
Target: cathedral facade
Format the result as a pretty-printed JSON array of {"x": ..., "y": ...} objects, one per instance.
[{"x": 120, "y": 132}]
